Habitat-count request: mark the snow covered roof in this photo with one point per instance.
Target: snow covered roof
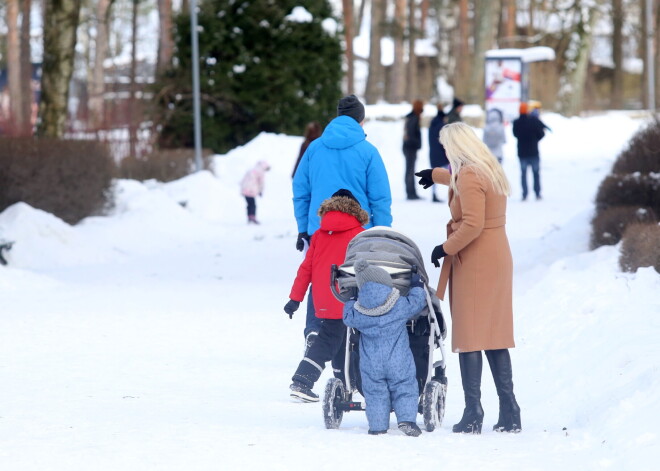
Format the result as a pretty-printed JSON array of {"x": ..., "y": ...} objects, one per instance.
[{"x": 530, "y": 54}]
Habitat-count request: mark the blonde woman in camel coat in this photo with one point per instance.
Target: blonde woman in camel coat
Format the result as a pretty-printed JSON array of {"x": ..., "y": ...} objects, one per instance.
[{"x": 478, "y": 270}]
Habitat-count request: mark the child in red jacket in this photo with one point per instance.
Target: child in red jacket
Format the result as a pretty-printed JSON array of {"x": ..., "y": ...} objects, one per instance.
[{"x": 342, "y": 218}]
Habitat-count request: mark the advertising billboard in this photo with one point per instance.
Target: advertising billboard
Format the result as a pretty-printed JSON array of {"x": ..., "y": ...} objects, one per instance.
[{"x": 504, "y": 86}]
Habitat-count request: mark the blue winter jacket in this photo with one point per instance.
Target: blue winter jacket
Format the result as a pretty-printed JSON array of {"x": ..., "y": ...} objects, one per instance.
[{"x": 341, "y": 158}]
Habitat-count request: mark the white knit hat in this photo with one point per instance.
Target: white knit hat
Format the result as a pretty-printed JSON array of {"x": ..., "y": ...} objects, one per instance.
[{"x": 365, "y": 272}]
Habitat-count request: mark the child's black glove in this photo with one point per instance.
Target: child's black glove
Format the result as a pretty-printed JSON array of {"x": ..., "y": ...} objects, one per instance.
[
  {"x": 426, "y": 178},
  {"x": 291, "y": 307},
  {"x": 300, "y": 245},
  {"x": 437, "y": 254},
  {"x": 416, "y": 281}
]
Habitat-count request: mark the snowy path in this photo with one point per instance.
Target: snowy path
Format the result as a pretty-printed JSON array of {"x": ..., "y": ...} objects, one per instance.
[{"x": 163, "y": 346}]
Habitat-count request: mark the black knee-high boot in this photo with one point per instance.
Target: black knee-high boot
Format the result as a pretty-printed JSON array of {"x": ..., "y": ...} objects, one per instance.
[
  {"x": 473, "y": 415},
  {"x": 500, "y": 365}
]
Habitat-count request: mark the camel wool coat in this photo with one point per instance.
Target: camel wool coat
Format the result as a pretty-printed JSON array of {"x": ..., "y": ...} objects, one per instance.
[{"x": 479, "y": 266}]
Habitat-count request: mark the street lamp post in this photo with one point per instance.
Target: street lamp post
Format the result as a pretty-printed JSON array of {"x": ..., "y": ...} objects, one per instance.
[{"x": 195, "y": 75}]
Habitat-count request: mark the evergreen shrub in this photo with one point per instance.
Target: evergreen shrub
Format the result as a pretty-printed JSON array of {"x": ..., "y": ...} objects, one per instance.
[
  {"x": 260, "y": 71},
  {"x": 634, "y": 189},
  {"x": 640, "y": 247},
  {"x": 71, "y": 179},
  {"x": 608, "y": 226},
  {"x": 642, "y": 153},
  {"x": 164, "y": 165}
]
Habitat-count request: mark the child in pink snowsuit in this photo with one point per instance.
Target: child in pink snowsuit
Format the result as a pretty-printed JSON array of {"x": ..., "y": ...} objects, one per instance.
[{"x": 253, "y": 186}]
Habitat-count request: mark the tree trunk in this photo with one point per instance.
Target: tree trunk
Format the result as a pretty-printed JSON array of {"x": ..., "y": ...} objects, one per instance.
[
  {"x": 617, "y": 54},
  {"x": 424, "y": 9},
  {"x": 132, "y": 126},
  {"x": 460, "y": 80},
  {"x": 485, "y": 33},
  {"x": 375, "y": 82},
  {"x": 577, "y": 61},
  {"x": 165, "y": 40},
  {"x": 26, "y": 69},
  {"x": 97, "y": 84},
  {"x": 348, "y": 37},
  {"x": 509, "y": 30},
  {"x": 411, "y": 73},
  {"x": 398, "y": 66},
  {"x": 360, "y": 17},
  {"x": 656, "y": 12},
  {"x": 61, "y": 19},
  {"x": 16, "y": 118}
]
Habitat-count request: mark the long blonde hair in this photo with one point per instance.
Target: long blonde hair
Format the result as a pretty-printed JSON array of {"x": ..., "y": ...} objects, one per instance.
[{"x": 464, "y": 148}]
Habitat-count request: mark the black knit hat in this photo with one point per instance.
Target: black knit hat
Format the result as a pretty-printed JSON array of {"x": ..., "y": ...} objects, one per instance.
[
  {"x": 456, "y": 103},
  {"x": 345, "y": 193},
  {"x": 351, "y": 106}
]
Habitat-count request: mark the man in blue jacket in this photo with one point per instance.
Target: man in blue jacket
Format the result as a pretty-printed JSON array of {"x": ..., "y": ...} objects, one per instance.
[{"x": 341, "y": 158}]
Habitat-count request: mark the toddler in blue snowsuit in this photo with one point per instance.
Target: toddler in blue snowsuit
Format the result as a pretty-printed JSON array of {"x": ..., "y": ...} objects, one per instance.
[{"x": 386, "y": 362}]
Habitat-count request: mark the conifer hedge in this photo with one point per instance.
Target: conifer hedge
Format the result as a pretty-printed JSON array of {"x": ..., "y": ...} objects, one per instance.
[{"x": 261, "y": 70}]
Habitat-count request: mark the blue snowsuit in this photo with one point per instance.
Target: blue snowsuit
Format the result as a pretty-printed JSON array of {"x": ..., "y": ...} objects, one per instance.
[{"x": 386, "y": 362}]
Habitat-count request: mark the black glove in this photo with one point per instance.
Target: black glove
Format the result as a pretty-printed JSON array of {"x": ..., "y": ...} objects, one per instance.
[
  {"x": 426, "y": 178},
  {"x": 291, "y": 307},
  {"x": 300, "y": 245},
  {"x": 416, "y": 281},
  {"x": 437, "y": 254}
]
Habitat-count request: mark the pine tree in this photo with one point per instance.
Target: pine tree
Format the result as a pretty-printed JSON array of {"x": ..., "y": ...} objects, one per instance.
[{"x": 259, "y": 72}]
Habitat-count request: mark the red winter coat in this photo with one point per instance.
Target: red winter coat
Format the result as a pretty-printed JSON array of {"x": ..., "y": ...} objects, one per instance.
[{"x": 341, "y": 219}]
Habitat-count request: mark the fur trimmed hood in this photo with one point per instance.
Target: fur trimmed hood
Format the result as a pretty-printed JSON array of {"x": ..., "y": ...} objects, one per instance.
[{"x": 344, "y": 205}]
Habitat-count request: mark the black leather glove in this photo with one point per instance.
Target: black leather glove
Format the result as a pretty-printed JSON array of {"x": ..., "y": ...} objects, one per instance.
[
  {"x": 300, "y": 245},
  {"x": 437, "y": 254},
  {"x": 416, "y": 281},
  {"x": 426, "y": 178},
  {"x": 291, "y": 307}
]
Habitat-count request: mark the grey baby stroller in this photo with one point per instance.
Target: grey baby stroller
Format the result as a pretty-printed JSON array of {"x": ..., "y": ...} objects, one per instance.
[{"x": 400, "y": 257}]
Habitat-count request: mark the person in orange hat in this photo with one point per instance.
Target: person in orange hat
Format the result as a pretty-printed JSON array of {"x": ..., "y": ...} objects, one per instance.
[{"x": 529, "y": 131}]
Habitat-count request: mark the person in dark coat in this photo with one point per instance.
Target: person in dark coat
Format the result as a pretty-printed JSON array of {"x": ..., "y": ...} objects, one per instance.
[
  {"x": 313, "y": 130},
  {"x": 412, "y": 142},
  {"x": 387, "y": 367},
  {"x": 342, "y": 218},
  {"x": 454, "y": 115},
  {"x": 437, "y": 154},
  {"x": 529, "y": 131}
]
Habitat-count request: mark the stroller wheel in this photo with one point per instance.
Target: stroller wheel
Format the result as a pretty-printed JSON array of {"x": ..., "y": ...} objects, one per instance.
[
  {"x": 433, "y": 404},
  {"x": 334, "y": 394}
]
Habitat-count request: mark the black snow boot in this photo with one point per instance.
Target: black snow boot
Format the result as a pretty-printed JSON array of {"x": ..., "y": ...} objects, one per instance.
[
  {"x": 473, "y": 416},
  {"x": 410, "y": 428},
  {"x": 500, "y": 366}
]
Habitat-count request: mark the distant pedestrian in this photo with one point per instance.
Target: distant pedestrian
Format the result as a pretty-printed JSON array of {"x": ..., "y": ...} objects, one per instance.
[
  {"x": 454, "y": 115},
  {"x": 494, "y": 136},
  {"x": 313, "y": 130},
  {"x": 412, "y": 142},
  {"x": 437, "y": 154},
  {"x": 252, "y": 186},
  {"x": 534, "y": 108},
  {"x": 529, "y": 131}
]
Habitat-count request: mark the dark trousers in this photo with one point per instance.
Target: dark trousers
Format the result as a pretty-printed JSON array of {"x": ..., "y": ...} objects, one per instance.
[
  {"x": 411, "y": 157},
  {"x": 312, "y": 323},
  {"x": 251, "y": 206},
  {"x": 533, "y": 162},
  {"x": 330, "y": 345}
]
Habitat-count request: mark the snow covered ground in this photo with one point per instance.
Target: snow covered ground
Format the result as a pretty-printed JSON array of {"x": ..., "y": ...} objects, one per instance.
[{"x": 154, "y": 338}]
